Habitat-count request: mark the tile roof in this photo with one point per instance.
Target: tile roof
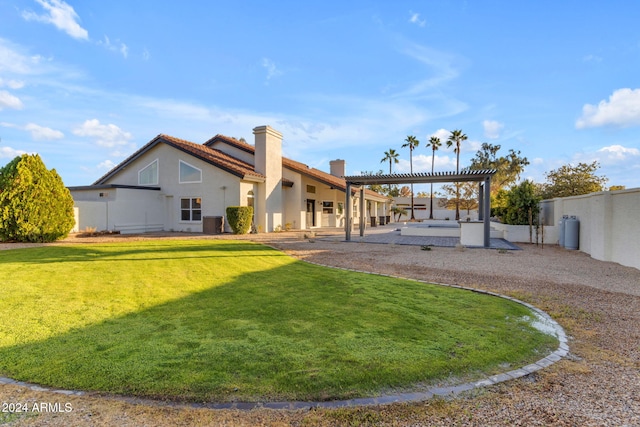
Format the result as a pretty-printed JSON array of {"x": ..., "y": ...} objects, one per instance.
[
  {"x": 324, "y": 177},
  {"x": 233, "y": 165},
  {"x": 212, "y": 156},
  {"x": 215, "y": 157}
]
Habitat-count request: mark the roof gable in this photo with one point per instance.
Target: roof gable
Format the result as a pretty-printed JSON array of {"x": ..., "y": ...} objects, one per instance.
[{"x": 212, "y": 156}]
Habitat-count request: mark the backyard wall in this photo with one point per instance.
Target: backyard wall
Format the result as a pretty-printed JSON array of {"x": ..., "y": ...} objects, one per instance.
[
  {"x": 609, "y": 223},
  {"x": 520, "y": 233}
]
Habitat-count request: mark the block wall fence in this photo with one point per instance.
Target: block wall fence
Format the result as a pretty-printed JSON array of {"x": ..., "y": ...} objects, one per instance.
[{"x": 609, "y": 223}]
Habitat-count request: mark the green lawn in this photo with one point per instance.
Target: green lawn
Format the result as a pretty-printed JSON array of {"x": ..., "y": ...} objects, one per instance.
[{"x": 227, "y": 320}]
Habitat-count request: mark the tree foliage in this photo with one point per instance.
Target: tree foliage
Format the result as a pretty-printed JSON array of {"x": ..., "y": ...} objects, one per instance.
[
  {"x": 35, "y": 206},
  {"x": 570, "y": 180},
  {"x": 508, "y": 168},
  {"x": 520, "y": 205},
  {"x": 378, "y": 188},
  {"x": 464, "y": 196}
]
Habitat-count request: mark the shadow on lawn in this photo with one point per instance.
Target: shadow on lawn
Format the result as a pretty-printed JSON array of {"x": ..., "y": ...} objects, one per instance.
[
  {"x": 267, "y": 335},
  {"x": 117, "y": 252}
]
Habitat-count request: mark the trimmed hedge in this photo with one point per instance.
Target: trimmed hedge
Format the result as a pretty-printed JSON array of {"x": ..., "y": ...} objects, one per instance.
[
  {"x": 239, "y": 218},
  {"x": 35, "y": 206}
]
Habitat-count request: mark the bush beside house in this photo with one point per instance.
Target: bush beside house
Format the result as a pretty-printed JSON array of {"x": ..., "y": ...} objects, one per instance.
[
  {"x": 35, "y": 206},
  {"x": 239, "y": 218}
]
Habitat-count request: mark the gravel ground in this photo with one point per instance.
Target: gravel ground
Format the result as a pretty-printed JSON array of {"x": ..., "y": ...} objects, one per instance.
[{"x": 598, "y": 384}]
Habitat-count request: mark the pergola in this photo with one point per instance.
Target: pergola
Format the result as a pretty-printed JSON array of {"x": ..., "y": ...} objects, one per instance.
[{"x": 483, "y": 177}]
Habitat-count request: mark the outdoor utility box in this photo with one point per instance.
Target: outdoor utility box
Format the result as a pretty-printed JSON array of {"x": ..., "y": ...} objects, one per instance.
[
  {"x": 213, "y": 225},
  {"x": 572, "y": 233}
]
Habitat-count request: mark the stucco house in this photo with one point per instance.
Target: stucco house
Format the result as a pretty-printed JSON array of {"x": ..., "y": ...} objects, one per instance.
[{"x": 171, "y": 184}]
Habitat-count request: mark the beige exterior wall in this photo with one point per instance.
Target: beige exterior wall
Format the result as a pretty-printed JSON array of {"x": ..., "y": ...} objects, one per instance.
[
  {"x": 217, "y": 190},
  {"x": 609, "y": 223}
]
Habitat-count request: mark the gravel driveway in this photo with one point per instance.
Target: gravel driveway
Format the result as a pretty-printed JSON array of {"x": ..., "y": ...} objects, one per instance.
[{"x": 597, "y": 303}]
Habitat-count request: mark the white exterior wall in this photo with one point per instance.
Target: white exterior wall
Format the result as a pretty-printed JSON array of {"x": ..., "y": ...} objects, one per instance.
[
  {"x": 609, "y": 223},
  {"x": 217, "y": 190},
  {"x": 294, "y": 205},
  {"x": 438, "y": 212},
  {"x": 268, "y": 162},
  {"x": 120, "y": 209},
  {"x": 520, "y": 233}
]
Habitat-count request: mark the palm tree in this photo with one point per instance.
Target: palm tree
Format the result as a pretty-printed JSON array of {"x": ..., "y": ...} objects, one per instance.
[
  {"x": 456, "y": 138},
  {"x": 411, "y": 142},
  {"x": 392, "y": 156},
  {"x": 434, "y": 143}
]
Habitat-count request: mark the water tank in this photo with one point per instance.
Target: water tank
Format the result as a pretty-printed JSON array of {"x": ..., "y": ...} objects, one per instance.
[
  {"x": 572, "y": 233},
  {"x": 561, "y": 227}
]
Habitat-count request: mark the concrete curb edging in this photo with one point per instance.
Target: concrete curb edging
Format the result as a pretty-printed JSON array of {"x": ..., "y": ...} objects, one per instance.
[{"x": 448, "y": 391}]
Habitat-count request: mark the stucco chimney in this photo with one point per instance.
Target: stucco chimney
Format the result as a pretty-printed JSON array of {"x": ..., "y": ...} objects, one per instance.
[
  {"x": 337, "y": 167},
  {"x": 268, "y": 161}
]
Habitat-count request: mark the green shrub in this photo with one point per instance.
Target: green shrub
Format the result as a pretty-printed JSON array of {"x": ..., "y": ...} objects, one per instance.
[
  {"x": 239, "y": 218},
  {"x": 520, "y": 205},
  {"x": 35, "y": 206}
]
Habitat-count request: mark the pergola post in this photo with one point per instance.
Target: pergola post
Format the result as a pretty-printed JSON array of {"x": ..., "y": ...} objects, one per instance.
[
  {"x": 362, "y": 211},
  {"x": 347, "y": 212},
  {"x": 487, "y": 212},
  {"x": 480, "y": 202}
]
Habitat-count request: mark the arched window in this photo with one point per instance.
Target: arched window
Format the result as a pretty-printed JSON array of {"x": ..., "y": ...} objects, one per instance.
[{"x": 250, "y": 198}]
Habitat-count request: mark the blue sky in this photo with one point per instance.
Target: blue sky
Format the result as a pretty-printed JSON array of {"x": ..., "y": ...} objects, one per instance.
[{"x": 85, "y": 84}]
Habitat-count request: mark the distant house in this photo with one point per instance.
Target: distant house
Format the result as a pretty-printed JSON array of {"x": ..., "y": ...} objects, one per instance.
[{"x": 173, "y": 185}]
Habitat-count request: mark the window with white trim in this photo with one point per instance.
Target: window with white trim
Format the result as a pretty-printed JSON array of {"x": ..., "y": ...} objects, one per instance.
[
  {"x": 189, "y": 173},
  {"x": 149, "y": 174},
  {"x": 191, "y": 209}
]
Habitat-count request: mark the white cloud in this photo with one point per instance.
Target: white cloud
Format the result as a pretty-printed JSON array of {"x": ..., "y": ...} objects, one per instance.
[
  {"x": 12, "y": 84},
  {"x": 422, "y": 163},
  {"x": 615, "y": 153},
  {"x": 15, "y": 60},
  {"x": 442, "y": 134},
  {"x": 146, "y": 55},
  {"x": 622, "y": 110},
  {"x": 105, "y": 135},
  {"x": 106, "y": 165},
  {"x": 442, "y": 67},
  {"x": 492, "y": 128},
  {"x": 415, "y": 19},
  {"x": 61, "y": 15},
  {"x": 38, "y": 133},
  {"x": 41, "y": 133},
  {"x": 270, "y": 66},
  {"x": 9, "y": 101},
  {"x": 10, "y": 153},
  {"x": 117, "y": 47}
]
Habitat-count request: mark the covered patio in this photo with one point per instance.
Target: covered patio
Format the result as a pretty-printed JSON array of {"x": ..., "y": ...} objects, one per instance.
[{"x": 483, "y": 177}]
